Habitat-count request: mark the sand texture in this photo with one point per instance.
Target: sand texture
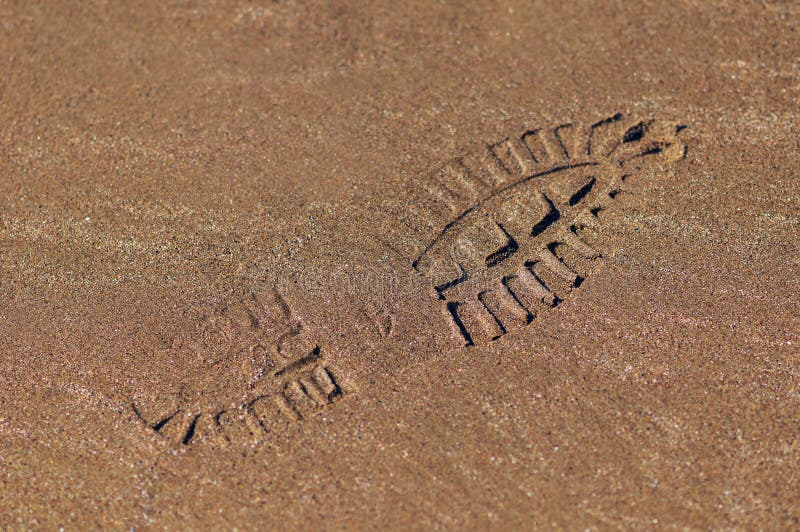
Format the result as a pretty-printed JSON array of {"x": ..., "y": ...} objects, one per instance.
[{"x": 421, "y": 265}]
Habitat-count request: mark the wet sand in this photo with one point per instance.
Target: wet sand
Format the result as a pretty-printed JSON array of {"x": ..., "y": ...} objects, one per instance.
[{"x": 419, "y": 265}]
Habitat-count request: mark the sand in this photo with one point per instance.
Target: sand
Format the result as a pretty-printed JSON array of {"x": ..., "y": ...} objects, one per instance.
[{"x": 399, "y": 265}]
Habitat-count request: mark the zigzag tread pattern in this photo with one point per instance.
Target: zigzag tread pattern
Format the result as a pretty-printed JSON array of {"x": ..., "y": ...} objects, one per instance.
[{"x": 514, "y": 218}]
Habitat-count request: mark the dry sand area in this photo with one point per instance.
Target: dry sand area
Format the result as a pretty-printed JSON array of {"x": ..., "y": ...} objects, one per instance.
[{"x": 325, "y": 265}]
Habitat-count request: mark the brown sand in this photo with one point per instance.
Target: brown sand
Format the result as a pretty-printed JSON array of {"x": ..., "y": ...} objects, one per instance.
[{"x": 405, "y": 264}]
